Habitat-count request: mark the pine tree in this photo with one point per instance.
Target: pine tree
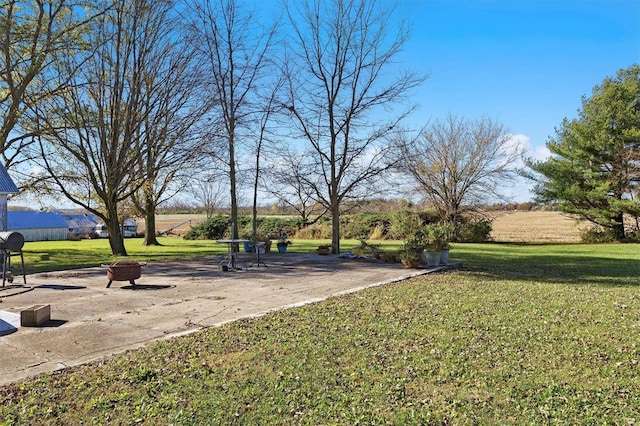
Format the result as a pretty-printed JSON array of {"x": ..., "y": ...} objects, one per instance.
[{"x": 594, "y": 169}]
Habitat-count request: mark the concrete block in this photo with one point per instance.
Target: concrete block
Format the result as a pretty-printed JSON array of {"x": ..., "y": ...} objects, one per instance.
[{"x": 35, "y": 315}]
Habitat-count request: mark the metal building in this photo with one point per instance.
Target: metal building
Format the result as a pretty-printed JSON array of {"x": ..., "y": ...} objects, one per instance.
[{"x": 38, "y": 226}]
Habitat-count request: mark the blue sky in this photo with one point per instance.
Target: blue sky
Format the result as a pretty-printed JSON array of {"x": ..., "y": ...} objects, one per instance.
[{"x": 524, "y": 63}]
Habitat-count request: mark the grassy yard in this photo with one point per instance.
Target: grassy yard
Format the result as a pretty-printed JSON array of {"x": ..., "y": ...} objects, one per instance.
[
  {"x": 46, "y": 256},
  {"x": 519, "y": 334}
]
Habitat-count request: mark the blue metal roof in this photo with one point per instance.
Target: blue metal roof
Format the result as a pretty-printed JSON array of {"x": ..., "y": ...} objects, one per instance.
[
  {"x": 80, "y": 220},
  {"x": 27, "y": 219},
  {"x": 7, "y": 186}
]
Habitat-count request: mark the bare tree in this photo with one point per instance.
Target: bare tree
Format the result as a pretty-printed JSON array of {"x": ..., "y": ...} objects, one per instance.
[
  {"x": 458, "y": 163},
  {"x": 288, "y": 181},
  {"x": 32, "y": 34},
  {"x": 209, "y": 191},
  {"x": 235, "y": 50},
  {"x": 95, "y": 130},
  {"x": 269, "y": 108},
  {"x": 171, "y": 97},
  {"x": 342, "y": 84}
]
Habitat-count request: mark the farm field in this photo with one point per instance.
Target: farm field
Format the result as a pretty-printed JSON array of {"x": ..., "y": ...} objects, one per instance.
[
  {"x": 534, "y": 227},
  {"x": 513, "y": 226},
  {"x": 174, "y": 224}
]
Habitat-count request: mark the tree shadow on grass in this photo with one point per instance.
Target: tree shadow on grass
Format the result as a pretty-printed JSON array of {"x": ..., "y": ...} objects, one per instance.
[{"x": 555, "y": 264}]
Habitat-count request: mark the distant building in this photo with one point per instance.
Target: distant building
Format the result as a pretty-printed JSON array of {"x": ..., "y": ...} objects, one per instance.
[
  {"x": 38, "y": 226},
  {"x": 7, "y": 186},
  {"x": 81, "y": 224},
  {"x": 56, "y": 226}
]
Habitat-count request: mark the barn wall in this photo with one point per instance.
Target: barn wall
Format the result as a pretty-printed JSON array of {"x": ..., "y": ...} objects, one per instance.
[{"x": 44, "y": 234}]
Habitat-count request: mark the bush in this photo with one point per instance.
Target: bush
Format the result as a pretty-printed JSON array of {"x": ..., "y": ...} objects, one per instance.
[
  {"x": 272, "y": 227},
  {"x": 361, "y": 226},
  {"x": 321, "y": 230},
  {"x": 219, "y": 226},
  {"x": 597, "y": 234},
  {"x": 214, "y": 228},
  {"x": 473, "y": 231},
  {"x": 405, "y": 224}
]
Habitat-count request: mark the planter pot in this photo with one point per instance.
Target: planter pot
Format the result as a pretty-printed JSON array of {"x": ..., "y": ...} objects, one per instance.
[
  {"x": 282, "y": 248},
  {"x": 248, "y": 247},
  {"x": 432, "y": 258},
  {"x": 413, "y": 263},
  {"x": 323, "y": 250},
  {"x": 444, "y": 257}
]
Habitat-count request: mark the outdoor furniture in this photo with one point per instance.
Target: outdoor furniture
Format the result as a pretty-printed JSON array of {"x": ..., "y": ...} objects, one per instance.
[
  {"x": 258, "y": 246},
  {"x": 229, "y": 261},
  {"x": 11, "y": 244}
]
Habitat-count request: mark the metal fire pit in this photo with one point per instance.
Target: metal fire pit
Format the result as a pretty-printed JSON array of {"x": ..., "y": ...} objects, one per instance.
[{"x": 124, "y": 270}]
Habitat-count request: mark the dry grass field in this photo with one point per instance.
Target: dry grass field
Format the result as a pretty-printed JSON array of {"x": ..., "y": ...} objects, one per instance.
[
  {"x": 534, "y": 227},
  {"x": 175, "y": 224},
  {"x": 515, "y": 226}
]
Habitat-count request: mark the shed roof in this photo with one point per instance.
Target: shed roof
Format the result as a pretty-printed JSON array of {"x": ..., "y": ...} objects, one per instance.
[
  {"x": 7, "y": 186},
  {"x": 80, "y": 220},
  {"x": 28, "y": 219}
]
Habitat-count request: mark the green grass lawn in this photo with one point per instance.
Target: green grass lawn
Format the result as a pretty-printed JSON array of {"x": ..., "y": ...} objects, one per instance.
[
  {"x": 519, "y": 334},
  {"x": 45, "y": 256}
]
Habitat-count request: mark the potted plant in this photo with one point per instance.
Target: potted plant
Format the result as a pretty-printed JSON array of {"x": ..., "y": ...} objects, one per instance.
[
  {"x": 250, "y": 244},
  {"x": 445, "y": 233},
  {"x": 323, "y": 249},
  {"x": 259, "y": 240},
  {"x": 283, "y": 243},
  {"x": 410, "y": 258},
  {"x": 433, "y": 244}
]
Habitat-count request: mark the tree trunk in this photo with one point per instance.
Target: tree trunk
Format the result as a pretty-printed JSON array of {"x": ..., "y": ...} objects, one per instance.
[
  {"x": 618, "y": 227},
  {"x": 335, "y": 229},
  {"x": 150, "y": 225},
  {"x": 115, "y": 235},
  {"x": 254, "y": 213},
  {"x": 234, "y": 199}
]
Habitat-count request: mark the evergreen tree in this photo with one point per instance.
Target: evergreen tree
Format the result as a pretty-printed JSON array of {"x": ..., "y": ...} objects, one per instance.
[{"x": 594, "y": 169}]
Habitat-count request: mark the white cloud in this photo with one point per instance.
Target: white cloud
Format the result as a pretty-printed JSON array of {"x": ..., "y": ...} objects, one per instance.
[
  {"x": 541, "y": 152},
  {"x": 520, "y": 189},
  {"x": 523, "y": 143}
]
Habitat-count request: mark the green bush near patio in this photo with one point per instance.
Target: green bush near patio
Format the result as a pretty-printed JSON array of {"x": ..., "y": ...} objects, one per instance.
[{"x": 519, "y": 334}]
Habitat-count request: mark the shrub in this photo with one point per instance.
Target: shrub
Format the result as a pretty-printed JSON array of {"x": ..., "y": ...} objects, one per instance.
[
  {"x": 219, "y": 226},
  {"x": 597, "y": 234},
  {"x": 360, "y": 226},
  {"x": 379, "y": 233},
  {"x": 473, "y": 231},
  {"x": 320, "y": 230},
  {"x": 405, "y": 224},
  {"x": 213, "y": 228},
  {"x": 273, "y": 227}
]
